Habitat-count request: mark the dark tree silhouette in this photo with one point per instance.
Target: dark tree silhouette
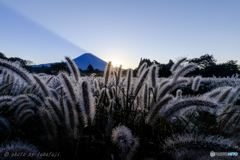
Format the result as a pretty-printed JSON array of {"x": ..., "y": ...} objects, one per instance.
[
  {"x": 90, "y": 68},
  {"x": 204, "y": 61},
  {"x": 164, "y": 69},
  {"x": 2, "y": 56}
]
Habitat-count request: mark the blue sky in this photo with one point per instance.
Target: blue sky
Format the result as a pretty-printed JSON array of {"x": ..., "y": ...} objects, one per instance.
[{"x": 122, "y": 31}]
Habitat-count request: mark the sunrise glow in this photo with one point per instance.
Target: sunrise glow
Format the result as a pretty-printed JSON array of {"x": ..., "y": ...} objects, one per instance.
[{"x": 116, "y": 63}]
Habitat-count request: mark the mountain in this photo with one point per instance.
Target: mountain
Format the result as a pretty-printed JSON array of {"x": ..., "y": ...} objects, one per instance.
[
  {"x": 87, "y": 58},
  {"x": 83, "y": 61}
]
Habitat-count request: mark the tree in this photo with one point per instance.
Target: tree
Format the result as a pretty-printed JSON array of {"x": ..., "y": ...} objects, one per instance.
[
  {"x": 56, "y": 67},
  {"x": 21, "y": 61},
  {"x": 2, "y": 56},
  {"x": 223, "y": 70},
  {"x": 149, "y": 63},
  {"x": 90, "y": 68},
  {"x": 204, "y": 61},
  {"x": 164, "y": 69}
]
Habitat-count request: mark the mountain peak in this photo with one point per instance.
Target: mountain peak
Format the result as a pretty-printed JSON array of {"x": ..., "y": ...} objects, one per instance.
[
  {"x": 88, "y": 58},
  {"x": 87, "y": 54}
]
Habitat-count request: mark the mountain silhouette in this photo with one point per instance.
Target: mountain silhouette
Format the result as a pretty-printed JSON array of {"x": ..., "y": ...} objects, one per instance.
[
  {"x": 83, "y": 61},
  {"x": 87, "y": 58}
]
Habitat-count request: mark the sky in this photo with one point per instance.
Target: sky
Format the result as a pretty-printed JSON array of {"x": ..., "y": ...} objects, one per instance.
[{"x": 121, "y": 31}]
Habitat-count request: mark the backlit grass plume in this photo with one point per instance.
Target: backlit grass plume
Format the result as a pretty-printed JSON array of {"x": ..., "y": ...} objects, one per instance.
[
  {"x": 170, "y": 86},
  {"x": 56, "y": 110},
  {"x": 23, "y": 115},
  {"x": 141, "y": 69},
  {"x": 71, "y": 118},
  {"x": 141, "y": 82},
  {"x": 16, "y": 68},
  {"x": 176, "y": 65},
  {"x": 196, "y": 83},
  {"x": 235, "y": 94},
  {"x": 224, "y": 95},
  {"x": 107, "y": 73},
  {"x": 154, "y": 75},
  {"x": 68, "y": 87},
  {"x": 104, "y": 97},
  {"x": 183, "y": 71},
  {"x": 73, "y": 68},
  {"x": 43, "y": 87},
  {"x": 48, "y": 123},
  {"x": 204, "y": 104},
  {"x": 128, "y": 81},
  {"x": 119, "y": 75},
  {"x": 5, "y": 100},
  {"x": 155, "y": 109},
  {"x": 87, "y": 103},
  {"x": 123, "y": 138},
  {"x": 216, "y": 92},
  {"x": 179, "y": 94}
]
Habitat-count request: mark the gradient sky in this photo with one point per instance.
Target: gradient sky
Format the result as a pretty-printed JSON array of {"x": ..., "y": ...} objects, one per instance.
[{"x": 122, "y": 31}]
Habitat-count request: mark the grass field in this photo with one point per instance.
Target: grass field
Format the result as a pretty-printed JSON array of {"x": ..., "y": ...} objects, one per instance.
[{"x": 117, "y": 117}]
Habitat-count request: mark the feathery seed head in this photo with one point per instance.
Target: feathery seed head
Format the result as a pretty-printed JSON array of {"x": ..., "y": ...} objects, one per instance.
[
  {"x": 184, "y": 70},
  {"x": 173, "y": 108},
  {"x": 55, "y": 109},
  {"x": 224, "y": 95},
  {"x": 68, "y": 87},
  {"x": 122, "y": 137},
  {"x": 176, "y": 65},
  {"x": 128, "y": 82},
  {"x": 107, "y": 72},
  {"x": 24, "y": 115},
  {"x": 42, "y": 85},
  {"x": 234, "y": 96},
  {"x": 170, "y": 86},
  {"x": 34, "y": 98},
  {"x": 87, "y": 102},
  {"x": 47, "y": 122},
  {"x": 73, "y": 68},
  {"x": 141, "y": 69},
  {"x": 23, "y": 106},
  {"x": 141, "y": 81},
  {"x": 119, "y": 75},
  {"x": 174, "y": 120},
  {"x": 150, "y": 119},
  {"x": 5, "y": 100},
  {"x": 16, "y": 68},
  {"x": 216, "y": 92},
  {"x": 154, "y": 75},
  {"x": 179, "y": 94},
  {"x": 196, "y": 83}
]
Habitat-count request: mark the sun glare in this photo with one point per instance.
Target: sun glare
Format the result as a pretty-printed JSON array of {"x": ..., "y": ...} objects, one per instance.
[{"x": 116, "y": 63}]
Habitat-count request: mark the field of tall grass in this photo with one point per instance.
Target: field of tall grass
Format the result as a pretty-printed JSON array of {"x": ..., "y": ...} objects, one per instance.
[{"x": 68, "y": 116}]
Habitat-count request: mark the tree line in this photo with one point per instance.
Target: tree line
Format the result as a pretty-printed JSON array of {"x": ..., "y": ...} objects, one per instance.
[{"x": 207, "y": 67}]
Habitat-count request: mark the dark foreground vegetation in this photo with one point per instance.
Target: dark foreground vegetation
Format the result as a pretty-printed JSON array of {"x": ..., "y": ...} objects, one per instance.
[{"x": 118, "y": 117}]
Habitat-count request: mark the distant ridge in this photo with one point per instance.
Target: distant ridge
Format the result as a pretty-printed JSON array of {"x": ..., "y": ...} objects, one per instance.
[{"x": 83, "y": 61}]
